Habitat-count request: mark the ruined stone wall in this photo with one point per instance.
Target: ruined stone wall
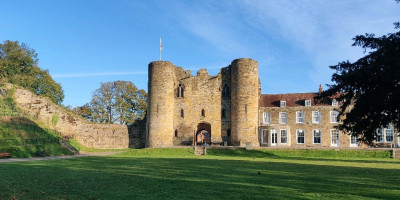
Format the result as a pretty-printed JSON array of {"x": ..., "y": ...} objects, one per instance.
[{"x": 102, "y": 136}]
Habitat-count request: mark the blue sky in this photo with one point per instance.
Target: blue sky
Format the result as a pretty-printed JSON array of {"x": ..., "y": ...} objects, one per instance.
[{"x": 84, "y": 43}]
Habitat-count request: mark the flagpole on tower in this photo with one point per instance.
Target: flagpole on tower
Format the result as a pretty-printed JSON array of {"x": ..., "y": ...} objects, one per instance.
[{"x": 160, "y": 47}]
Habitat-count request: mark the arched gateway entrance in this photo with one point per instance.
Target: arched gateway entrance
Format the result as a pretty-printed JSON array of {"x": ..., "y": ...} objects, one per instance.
[{"x": 203, "y": 134}]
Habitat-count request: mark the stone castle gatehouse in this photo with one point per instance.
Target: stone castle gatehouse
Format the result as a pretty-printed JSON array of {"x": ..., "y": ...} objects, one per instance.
[{"x": 229, "y": 109}]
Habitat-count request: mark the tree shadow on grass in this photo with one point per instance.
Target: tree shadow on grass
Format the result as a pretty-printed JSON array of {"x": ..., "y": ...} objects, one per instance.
[
  {"x": 241, "y": 153},
  {"x": 188, "y": 178},
  {"x": 265, "y": 154},
  {"x": 356, "y": 160}
]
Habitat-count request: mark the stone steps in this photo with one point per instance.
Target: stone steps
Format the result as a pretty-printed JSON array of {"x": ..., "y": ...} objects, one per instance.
[{"x": 69, "y": 147}]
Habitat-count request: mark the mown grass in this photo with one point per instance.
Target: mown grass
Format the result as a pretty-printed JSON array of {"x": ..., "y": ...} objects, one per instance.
[
  {"x": 222, "y": 174},
  {"x": 309, "y": 153}
]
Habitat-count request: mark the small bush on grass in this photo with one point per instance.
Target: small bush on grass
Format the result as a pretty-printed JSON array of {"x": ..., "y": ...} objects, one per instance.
[{"x": 54, "y": 119}]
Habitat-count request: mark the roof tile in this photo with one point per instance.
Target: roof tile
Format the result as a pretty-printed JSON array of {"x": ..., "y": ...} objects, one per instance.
[{"x": 292, "y": 100}]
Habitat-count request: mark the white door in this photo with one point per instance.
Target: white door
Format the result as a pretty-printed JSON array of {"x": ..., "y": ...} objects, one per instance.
[{"x": 274, "y": 137}]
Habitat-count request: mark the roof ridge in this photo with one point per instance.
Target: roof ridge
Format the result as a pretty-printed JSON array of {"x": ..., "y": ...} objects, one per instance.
[{"x": 293, "y": 93}]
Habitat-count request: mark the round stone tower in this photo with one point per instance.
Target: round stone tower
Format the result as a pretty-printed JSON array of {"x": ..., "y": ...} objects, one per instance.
[
  {"x": 244, "y": 101},
  {"x": 160, "y": 109}
]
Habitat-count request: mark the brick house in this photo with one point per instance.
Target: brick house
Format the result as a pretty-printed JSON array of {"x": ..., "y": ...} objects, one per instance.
[{"x": 295, "y": 120}]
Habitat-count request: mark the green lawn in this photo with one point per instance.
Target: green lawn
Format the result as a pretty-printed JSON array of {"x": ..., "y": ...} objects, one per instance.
[{"x": 221, "y": 174}]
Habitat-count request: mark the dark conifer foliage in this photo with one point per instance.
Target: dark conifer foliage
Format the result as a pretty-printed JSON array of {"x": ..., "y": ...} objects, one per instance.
[{"x": 369, "y": 89}]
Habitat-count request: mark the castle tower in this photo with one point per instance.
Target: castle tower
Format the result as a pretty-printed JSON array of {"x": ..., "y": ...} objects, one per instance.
[
  {"x": 160, "y": 110},
  {"x": 244, "y": 101}
]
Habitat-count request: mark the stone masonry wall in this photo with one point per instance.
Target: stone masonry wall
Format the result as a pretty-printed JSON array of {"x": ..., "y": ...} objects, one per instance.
[
  {"x": 160, "y": 104},
  {"x": 308, "y": 126},
  {"x": 244, "y": 97},
  {"x": 137, "y": 134},
  {"x": 201, "y": 92},
  {"x": 102, "y": 136},
  {"x": 176, "y": 119}
]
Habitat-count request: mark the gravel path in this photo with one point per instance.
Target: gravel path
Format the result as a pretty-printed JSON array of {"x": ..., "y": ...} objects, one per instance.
[{"x": 59, "y": 157}]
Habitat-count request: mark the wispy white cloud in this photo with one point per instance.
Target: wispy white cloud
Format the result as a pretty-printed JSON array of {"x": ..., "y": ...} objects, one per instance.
[
  {"x": 78, "y": 75},
  {"x": 215, "y": 23},
  {"x": 322, "y": 30},
  {"x": 297, "y": 39}
]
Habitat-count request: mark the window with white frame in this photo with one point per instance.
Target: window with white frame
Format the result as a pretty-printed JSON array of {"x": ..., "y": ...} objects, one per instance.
[
  {"x": 264, "y": 136},
  {"x": 334, "y": 102},
  {"x": 379, "y": 135},
  {"x": 316, "y": 116},
  {"x": 316, "y": 136},
  {"x": 274, "y": 137},
  {"x": 335, "y": 142},
  {"x": 283, "y": 104},
  {"x": 389, "y": 134},
  {"x": 284, "y": 136},
  {"x": 283, "y": 118},
  {"x": 266, "y": 118},
  {"x": 353, "y": 141},
  {"x": 300, "y": 117},
  {"x": 385, "y": 134},
  {"x": 307, "y": 103},
  {"x": 300, "y": 135},
  {"x": 334, "y": 116}
]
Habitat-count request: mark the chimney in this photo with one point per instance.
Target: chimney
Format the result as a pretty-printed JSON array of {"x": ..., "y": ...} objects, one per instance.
[{"x": 320, "y": 89}]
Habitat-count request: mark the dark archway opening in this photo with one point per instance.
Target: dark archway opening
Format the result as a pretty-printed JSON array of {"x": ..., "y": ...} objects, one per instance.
[
  {"x": 203, "y": 134},
  {"x": 228, "y": 137}
]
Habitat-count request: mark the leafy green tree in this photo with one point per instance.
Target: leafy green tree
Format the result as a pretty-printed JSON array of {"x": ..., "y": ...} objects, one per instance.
[
  {"x": 18, "y": 65},
  {"x": 16, "y": 59},
  {"x": 117, "y": 102},
  {"x": 369, "y": 88},
  {"x": 84, "y": 111},
  {"x": 102, "y": 103}
]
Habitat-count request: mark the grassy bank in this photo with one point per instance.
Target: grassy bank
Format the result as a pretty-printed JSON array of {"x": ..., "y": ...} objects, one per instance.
[
  {"x": 23, "y": 137},
  {"x": 178, "y": 174}
]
